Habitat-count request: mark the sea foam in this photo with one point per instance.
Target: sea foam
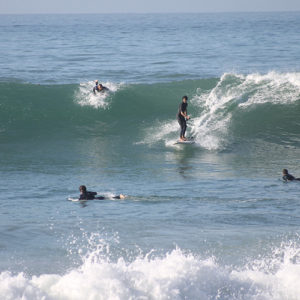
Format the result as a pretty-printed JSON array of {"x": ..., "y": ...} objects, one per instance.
[
  {"x": 175, "y": 275},
  {"x": 237, "y": 92}
]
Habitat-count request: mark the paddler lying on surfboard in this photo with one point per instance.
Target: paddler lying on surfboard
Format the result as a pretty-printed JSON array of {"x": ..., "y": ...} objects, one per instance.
[
  {"x": 287, "y": 176},
  {"x": 86, "y": 195},
  {"x": 182, "y": 116},
  {"x": 99, "y": 87}
]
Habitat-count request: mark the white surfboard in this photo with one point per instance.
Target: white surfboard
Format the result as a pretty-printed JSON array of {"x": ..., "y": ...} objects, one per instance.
[
  {"x": 107, "y": 197},
  {"x": 187, "y": 142},
  {"x": 75, "y": 199}
]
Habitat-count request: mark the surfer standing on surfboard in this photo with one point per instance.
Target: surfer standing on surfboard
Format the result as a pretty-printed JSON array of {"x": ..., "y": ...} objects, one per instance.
[{"x": 182, "y": 116}]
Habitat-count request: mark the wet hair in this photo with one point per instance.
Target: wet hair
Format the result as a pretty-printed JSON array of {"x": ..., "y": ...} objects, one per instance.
[
  {"x": 82, "y": 188},
  {"x": 100, "y": 85},
  {"x": 285, "y": 171},
  {"x": 185, "y": 97}
]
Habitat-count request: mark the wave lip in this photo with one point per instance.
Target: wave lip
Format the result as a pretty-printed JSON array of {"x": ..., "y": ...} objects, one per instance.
[{"x": 239, "y": 95}]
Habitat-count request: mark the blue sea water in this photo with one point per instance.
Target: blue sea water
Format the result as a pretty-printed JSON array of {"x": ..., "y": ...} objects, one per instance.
[{"x": 211, "y": 220}]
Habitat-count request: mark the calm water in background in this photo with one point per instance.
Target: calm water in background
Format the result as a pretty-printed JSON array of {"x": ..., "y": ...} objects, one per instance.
[
  {"x": 146, "y": 48},
  {"x": 208, "y": 221}
]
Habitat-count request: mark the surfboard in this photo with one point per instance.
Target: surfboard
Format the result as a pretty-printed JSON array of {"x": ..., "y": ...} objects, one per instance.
[
  {"x": 106, "y": 198},
  {"x": 75, "y": 199},
  {"x": 187, "y": 142}
]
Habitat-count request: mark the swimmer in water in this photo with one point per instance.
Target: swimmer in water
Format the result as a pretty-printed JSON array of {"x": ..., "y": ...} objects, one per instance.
[
  {"x": 288, "y": 177},
  {"x": 86, "y": 195},
  {"x": 99, "y": 87}
]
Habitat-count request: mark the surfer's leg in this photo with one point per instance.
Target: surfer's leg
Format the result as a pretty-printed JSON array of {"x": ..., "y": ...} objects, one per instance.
[{"x": 181, "y": 127}]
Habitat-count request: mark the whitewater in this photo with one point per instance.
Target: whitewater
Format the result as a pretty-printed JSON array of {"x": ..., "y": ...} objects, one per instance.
[{"x": 212, "y": 220}]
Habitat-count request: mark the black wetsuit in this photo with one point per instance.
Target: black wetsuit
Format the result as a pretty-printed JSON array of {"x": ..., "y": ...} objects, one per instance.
[
  {"x": 96, "y": 88},
  {"x": 181, "y": 119},
  {"x": 289, "y": 177},
  {"x": 104, "y": 88},
  {"x": 91, "y": 196}
]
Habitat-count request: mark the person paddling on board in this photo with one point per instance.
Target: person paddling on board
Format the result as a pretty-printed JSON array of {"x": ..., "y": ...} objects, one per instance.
[
  {"x": 182, "y": 116},
  {"x": 99, "y": 87},
  {"x": 288, "y": 177},
  {"x": 86, "y": 195}
]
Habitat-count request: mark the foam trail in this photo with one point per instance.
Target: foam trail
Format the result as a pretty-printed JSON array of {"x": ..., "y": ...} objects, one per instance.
[
  {"x": 161, "y": 132},
  {"x": 210, "y": 128},
  {"x": 108, "y": 195}
]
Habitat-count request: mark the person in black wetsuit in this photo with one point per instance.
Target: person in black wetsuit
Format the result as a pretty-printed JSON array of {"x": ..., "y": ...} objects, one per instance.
[
  {"x": 182, "y": 116},
  {"x": 288, "y": 177},
  {"x": 86, "y": 195},
  {"x": 99, "y": 88}
]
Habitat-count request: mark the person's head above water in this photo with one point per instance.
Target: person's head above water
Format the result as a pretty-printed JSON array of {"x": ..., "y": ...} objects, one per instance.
[
  {"x": 285, "y": 172},
  {"x": 82, "y": 189},
  {"x": 184, "y": 98}
]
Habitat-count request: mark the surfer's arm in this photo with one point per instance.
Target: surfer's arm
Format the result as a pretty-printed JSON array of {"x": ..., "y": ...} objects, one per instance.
[{"x": 184, "y": 114}]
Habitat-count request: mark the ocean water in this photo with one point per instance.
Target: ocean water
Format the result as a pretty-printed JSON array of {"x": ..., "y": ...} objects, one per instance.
[{"x": 211, "y": 220}]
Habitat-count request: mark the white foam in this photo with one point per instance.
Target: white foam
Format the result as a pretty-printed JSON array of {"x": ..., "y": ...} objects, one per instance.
[
  {"x": 272, "y": 88},
  {"x": 175, "y": 275},
  {"x": 107, "y": 195},
  {"x": 234, "y": 90},
  {"x": 85, "y": 96},
  {"x": 210, "y": 127}
]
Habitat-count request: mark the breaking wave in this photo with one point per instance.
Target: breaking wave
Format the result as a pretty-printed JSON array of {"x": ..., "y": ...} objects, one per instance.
[
  {"x": 176, "y": 274},
  {"x": 226, "y": 110}
]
